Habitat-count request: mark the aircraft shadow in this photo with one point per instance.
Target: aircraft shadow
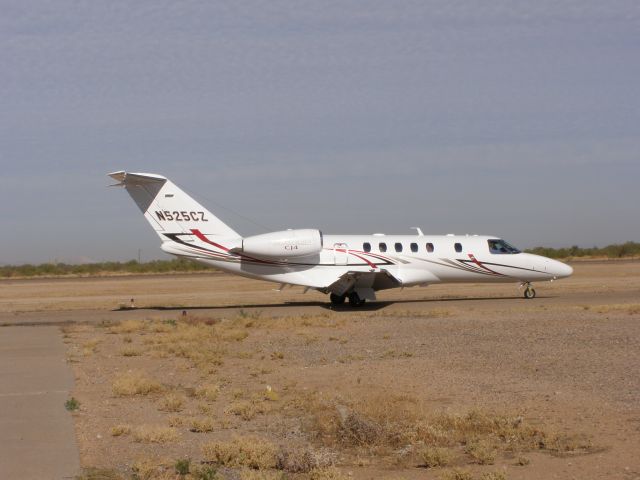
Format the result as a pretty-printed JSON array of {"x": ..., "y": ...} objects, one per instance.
[{"x": 368, "y": 307}]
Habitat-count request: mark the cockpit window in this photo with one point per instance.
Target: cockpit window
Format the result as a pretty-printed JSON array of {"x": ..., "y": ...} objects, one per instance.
[{"x": 501, "y": 247}]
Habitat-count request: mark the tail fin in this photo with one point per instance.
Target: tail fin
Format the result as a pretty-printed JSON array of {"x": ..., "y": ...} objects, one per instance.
[{"x": 167, "y": 208}]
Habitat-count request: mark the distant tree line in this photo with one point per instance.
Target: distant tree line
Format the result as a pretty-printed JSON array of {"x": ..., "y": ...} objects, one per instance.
[
  {"x": 102, "y": 268},
  {"x": 624, "y": 250},
  {"x": 179, "y": 265}
]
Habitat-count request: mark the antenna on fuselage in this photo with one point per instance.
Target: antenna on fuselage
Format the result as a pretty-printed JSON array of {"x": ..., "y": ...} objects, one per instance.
[{"x": 420, "y": 234}]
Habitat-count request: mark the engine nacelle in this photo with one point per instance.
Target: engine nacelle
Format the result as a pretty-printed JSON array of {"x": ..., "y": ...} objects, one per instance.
[{"x": 286, "y": 244}]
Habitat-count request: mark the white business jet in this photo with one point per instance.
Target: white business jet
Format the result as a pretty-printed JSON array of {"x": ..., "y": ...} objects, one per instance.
[{"x": 350, "y": 267}]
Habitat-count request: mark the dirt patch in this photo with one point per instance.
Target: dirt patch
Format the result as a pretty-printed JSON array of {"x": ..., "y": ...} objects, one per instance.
[{"x": 443, "y": 382}]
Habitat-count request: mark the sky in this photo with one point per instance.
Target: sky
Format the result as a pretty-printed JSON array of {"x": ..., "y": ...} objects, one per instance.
[{"x": 511, "y": 118}]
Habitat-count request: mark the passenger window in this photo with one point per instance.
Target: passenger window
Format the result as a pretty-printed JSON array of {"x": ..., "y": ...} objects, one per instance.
[
  {"x": 458, "y": 247},
  {"x": 366, "y": 246},
  {"x": 382, "y": 246},
  {"x": 414, "y": 247},
  {"x": 398, "y": 247},
  {"x": 430, "y": 247}
]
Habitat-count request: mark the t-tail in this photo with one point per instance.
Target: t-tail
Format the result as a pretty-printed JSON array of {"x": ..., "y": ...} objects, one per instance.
[{"x": 168, "y": 209}]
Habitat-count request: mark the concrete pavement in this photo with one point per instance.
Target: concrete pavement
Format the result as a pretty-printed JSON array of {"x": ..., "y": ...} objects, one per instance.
[{"x": 37, "y": 438}]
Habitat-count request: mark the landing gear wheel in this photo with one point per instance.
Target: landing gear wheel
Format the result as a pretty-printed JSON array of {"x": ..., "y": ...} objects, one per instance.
[
  {"x": 355, "y": 300},
  {"x": 336, "y": 299},
  {"x": 529, "y": 293}
]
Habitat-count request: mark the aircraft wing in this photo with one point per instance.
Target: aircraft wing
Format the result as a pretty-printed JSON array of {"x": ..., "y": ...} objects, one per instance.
[{"x": 361, "y": 281}]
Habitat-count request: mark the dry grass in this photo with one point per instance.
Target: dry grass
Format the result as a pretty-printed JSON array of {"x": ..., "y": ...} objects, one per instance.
[
  {"x": 250, "y": 452},
  {"x": 172, "y": 402},
  {"x": 208, "y": 392},
  {"x": 246, "y": 409},
  {"x": 233, "y": 335},
  {"x": 155, "y": 434},
  {"x": 175, "y": 421},
  {"x": 493, "y": 476},
  {"x": 300, "y": 459},
  {"x": 270, "y": 395},
  {"x": 129, "y": 326},
  {"x": 91, "y": 473},
  {"x": 130, "y": 352},
  {"x": 119, "y": 430},
  {"x": 481, "y": 452},
  {"x": 456, "y": 474},
  {"x": 150, "y": 469},
  {"x": 198, "y": 342},
  {"x": 134, "y": 383},
  {"x": 387, "y": 424},
  {"x": 90, "y": 346},
  {"x": 201, "y": 425},
  {"x": 562, "y": 444},
  {"x": 435, "y": 456}
]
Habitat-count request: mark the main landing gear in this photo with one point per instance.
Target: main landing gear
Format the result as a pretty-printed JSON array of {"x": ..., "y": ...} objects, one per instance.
[
  {"x": 337, "y": 299},
  {"x": 354, "y": 299},
  {"x": 529, "y": 292}
]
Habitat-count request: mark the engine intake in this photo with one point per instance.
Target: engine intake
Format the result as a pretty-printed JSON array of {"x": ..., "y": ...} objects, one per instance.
[{"x": 285, "y": 244}]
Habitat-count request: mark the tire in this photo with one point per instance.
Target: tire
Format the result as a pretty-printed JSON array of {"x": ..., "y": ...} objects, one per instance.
[
  {"x": 355, "y": 300},
  {"x": 529, "y": 293},
  {"x": 336, "y": 299}
]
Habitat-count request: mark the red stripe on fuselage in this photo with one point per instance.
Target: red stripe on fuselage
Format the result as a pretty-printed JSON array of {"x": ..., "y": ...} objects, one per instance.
[
  {"x": 201, "y": 236},
  {"x": 474, "y": 260}
]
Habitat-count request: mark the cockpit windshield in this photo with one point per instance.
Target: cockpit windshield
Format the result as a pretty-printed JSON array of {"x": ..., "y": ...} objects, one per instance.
[{"x": 499, "y": 246}]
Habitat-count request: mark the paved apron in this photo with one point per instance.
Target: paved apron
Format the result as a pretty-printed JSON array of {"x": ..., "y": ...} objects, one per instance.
[{"x": 37, "y": 439}]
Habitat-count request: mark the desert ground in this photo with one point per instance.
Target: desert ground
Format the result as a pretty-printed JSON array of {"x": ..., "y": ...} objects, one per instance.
[{"x": 216, "y": 376}]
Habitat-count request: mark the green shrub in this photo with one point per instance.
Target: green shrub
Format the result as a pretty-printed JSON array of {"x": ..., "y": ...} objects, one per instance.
[
  {"x": 72, "y": 404},
  {"x": 182, "y": 466}
]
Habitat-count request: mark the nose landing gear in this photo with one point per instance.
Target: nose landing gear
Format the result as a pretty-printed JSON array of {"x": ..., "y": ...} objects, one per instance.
[{"x": 529, "y": 292}]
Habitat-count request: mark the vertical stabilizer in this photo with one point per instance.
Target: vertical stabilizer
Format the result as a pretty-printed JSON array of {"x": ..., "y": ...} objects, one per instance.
[{"x": 167, "y": 208}]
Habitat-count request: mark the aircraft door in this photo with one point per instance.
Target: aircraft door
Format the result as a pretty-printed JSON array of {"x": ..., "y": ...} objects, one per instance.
[{"x": 340, "y": 253}]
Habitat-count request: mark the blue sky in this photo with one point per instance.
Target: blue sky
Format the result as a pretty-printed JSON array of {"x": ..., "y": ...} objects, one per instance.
[{"x": 518, "y": 119}]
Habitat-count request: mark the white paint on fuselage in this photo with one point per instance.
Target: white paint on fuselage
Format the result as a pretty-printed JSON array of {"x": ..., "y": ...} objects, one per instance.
[{"x": 442, "y": 265}]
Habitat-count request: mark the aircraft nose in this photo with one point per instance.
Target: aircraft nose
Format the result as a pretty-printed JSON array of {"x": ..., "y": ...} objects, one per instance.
[{"x": 559, "y": 269}]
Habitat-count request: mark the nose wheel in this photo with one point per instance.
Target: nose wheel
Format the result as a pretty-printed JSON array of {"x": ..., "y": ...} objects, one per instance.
[{"x": 529, "y": 292}]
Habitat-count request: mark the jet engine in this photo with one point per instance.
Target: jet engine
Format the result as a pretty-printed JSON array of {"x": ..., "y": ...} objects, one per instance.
[{"x": 286, "y": 244}]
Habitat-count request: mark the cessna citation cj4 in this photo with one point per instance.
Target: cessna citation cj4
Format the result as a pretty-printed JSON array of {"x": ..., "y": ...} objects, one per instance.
[{"x": 344, "y": 266}]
